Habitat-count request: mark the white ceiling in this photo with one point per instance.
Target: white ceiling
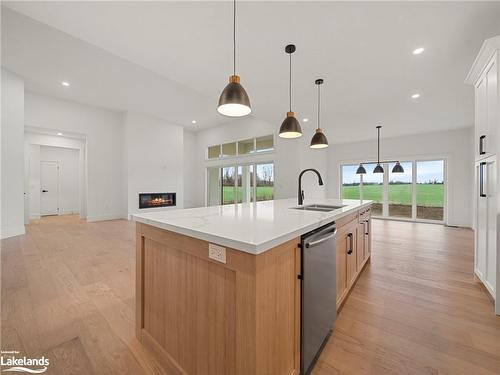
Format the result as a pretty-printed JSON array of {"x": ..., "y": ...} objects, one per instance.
[{"x": 172, "y": 59}]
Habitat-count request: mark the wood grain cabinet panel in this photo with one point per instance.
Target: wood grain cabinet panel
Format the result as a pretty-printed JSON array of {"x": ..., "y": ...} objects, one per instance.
[
  {"x": 353, "y": 250},
  {"x": 199, "y": 316}
]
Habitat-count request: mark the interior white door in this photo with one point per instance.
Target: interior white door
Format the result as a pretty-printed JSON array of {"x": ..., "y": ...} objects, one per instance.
[{"x": 49, "y": 188}]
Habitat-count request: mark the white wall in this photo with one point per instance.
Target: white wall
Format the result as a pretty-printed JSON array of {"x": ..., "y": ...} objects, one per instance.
[
  {"x": 12, "y": 140},
  {"x": 290, "y": 157},
  {"x": 455, "y": 146},
  {"x": 103, "y": 130},
  {"x": 189, "y": 167},
  {"x": 154, "y": 155}
]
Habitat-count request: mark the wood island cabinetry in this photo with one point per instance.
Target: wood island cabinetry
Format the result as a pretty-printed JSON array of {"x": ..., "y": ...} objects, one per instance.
[
  {"x": 353, "y": 250},
  {"x": 238, "y": 313}
]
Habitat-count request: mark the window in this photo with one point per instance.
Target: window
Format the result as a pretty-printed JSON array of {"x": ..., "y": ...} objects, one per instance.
[
  {"x": 264, "y": 143},
  {"x": 430, "y": 190},
  {"x": 242, "y": 147},
  {"x": 372, "y": 188},
  {"x": 416, "y": 194},
  {"x": 400, "y": 191},
  {"x": 265, "y": 182},
  {"x": 214, "y": 152},
  {"x": 239, "y": 184},
  {"x": 245, "y": 147},
  {"x": 228, "y": 149},
  {"x": 228, "y": 186},
  {"x": 350, "y": 182}
]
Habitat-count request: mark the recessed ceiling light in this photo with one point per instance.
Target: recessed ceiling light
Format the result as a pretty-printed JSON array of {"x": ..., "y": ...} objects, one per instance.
[
  {"x": 305, "y": 119},
  {"x": 64, "y": 83},
  {"x": 415, "y": 96},
  {"x": 193, "y": 121},
  {"x": 418, "y": 51},
  {"x": 59, "y": 133}
]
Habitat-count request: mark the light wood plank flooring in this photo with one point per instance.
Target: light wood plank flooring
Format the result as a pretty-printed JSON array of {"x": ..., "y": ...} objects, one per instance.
[{"x": 68, "y": 293}]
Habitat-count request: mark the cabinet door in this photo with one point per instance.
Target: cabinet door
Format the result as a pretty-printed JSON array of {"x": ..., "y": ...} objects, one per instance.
[
  {"x": 341, "y": 266},
  {"x": 351, "y": 251},
  {"x": 368, "y": 238},
  {"x": 491, "y": 239},
  {"x": 481, "y": 223},
  {"x": 360, "y": 244},
  {"x": 481, "y": 113},
  {"x": 492, "y": 108}
]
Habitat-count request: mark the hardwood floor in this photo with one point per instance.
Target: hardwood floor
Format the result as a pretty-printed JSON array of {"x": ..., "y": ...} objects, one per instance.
[{"x": 68, "y": 294}]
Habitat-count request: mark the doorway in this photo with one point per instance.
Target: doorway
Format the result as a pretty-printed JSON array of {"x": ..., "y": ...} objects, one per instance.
[{"x": 49, "y": 188}]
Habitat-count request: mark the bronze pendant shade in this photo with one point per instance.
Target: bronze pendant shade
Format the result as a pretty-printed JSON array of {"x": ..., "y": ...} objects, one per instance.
[
  {"x": 319, "y": 139},
  {"x": 234, "y": 100},
  {"x": 290, "y": 127},
  {"x": 361, "y": 169},
  {"x": 378, "y": 169},
  {"x": 398, "y": 168}
]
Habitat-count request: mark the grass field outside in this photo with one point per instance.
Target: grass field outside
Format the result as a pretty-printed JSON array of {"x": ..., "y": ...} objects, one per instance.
[
  {"x": 428, "y": 195},
  {"x": 263, "y": 193}
]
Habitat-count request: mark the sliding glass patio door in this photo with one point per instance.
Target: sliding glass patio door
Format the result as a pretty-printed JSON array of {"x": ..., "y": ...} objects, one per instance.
[
  {"x": 240, "y": 183},
  {"x": 418, "y": 194}
]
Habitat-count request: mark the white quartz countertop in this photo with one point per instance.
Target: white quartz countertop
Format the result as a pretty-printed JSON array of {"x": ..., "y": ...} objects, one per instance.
[{"x": 249, "y": 227}]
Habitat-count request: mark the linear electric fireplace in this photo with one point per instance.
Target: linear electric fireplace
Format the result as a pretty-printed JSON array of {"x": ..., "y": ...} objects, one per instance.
[{"x": 150, "y": 200}]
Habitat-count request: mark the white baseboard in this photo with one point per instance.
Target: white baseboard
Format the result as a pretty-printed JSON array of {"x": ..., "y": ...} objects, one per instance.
[
  {"x": 91, "y": 219},
  {"x": 34, "y": 216},
  {"x": 12, "y": 231}
]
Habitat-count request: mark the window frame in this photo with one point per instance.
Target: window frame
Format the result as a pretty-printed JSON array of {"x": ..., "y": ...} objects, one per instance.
[{"x": 253, "y": 153}]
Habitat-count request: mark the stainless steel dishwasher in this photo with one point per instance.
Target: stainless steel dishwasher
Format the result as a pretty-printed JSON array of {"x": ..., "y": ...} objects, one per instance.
[{"x": 318, "y": 293}]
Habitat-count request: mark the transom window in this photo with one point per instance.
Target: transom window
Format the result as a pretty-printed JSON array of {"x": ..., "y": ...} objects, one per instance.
[{"x": 242, "y": 147}]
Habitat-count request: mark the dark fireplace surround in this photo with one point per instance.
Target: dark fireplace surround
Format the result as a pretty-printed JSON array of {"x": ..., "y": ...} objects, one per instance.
[{"x": 152, "y": 200}]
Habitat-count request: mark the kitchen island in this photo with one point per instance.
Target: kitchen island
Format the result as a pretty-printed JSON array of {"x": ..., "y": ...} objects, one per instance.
[{"x": 217, "y": 288}]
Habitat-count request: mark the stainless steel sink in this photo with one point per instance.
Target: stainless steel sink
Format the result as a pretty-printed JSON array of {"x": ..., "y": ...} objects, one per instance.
[{"x": 318, "y": 207}]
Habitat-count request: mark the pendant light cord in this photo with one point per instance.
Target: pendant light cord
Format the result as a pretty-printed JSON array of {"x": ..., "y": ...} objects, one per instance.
[
  {"x": 319, "y": 99},
  {"x": 290, "y": 83},
  {"x": 378, "y": 145},
  {"x": 234, "y": 37}
]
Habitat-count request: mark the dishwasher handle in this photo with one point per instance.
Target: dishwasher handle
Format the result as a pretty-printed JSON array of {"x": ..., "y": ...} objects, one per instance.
[{"x": 321, "y": 240}]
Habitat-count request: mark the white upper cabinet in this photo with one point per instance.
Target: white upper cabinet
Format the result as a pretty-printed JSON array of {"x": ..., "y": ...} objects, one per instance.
[{"x": 484, "y": 76}]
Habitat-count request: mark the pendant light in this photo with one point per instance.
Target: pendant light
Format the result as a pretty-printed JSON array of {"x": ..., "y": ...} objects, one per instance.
[
  {"x": 319, "y": 139},
  {"x": 234, "y": 101},
  {"x": 378, "y": 168},
  {"x": 361, "y": 169},
  {"x": 398, "y": 168},
  {"x": 290, "y": 127}
]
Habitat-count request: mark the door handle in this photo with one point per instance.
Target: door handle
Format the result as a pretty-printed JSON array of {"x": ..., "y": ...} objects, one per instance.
[
  {"x": 367, "y": 227},
  {"x": 481, "y": 145},
  {"x": 45, "y": 191},
  {"x": 481, "y": 178},
  {"x": 349, "y": 235}
]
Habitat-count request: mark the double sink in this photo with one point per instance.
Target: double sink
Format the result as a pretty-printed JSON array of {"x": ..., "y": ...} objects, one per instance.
[{"x": 318, "y": 207}]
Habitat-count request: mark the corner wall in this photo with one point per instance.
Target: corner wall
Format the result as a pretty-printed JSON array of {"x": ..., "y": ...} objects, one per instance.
[
  {"x": 12, "y": 138},
  {"x": 456, "y": 146}
]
